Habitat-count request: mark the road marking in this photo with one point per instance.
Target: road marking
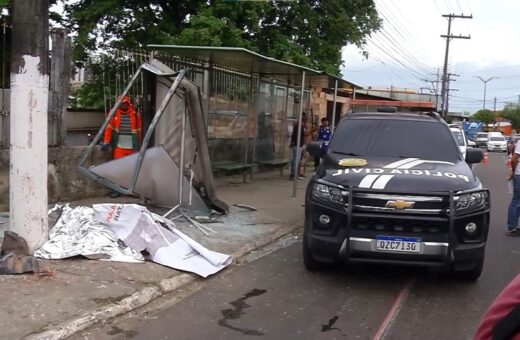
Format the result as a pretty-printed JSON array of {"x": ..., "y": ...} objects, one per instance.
[{"x": 394, "y": 310}]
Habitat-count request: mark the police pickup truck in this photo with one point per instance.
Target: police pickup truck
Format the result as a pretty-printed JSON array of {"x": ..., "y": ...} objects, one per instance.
[{"x": 394, "y": 188}]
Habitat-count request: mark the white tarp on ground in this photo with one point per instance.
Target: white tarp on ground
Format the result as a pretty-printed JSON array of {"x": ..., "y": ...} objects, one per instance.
[
  {"x": 77, "y": 234},
  {"x": 141, "y": 230},
  {"x": 120, "y": 232}
]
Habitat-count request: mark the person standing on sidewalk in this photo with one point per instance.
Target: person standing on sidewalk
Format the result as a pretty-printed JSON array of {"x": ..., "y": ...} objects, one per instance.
[
  {"x": 324, "y": 134},
  {"x": 293, "y": 145},
  {"x": 514, "y": 207},
  {"x": 123, "y": 132}
]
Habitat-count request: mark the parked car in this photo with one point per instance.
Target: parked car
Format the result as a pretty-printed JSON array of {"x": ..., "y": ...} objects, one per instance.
[
  {"x": 461, "y": 139},
  {"x": 406, "y": 201},
  {"x": 481, "y": 139},
  {"x": 497, "y": 143}
]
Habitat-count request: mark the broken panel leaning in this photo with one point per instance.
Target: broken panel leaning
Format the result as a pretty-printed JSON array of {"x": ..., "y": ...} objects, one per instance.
[{"x": 153, "y": 172}]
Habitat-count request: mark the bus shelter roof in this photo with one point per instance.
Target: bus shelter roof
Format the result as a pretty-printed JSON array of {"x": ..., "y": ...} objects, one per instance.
[{"x": 246, "y": 61}]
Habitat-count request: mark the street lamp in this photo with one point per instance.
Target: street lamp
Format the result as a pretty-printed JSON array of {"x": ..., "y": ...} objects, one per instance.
[{"x": 485, "y": 84}]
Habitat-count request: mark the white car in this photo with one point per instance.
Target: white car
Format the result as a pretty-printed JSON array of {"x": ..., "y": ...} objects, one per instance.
[
  {"x": 481, "y": 139},
  {"x": 462, "y": 141},
  {"x": 498, "y": 143}
]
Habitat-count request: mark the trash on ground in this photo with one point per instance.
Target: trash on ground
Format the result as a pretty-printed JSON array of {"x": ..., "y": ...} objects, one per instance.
[
  {"x": 14, "y": 256},
  {"x": 205, "y": 219},
  {"x": 243, "y": 206},
  {"x": 142, "y": 230},
  {"x": 76, "y": 233}
]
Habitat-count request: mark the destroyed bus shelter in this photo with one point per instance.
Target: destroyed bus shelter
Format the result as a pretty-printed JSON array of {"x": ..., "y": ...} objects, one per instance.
[
  {"x": 251, "y": 102},
  {"x": 172, "y": 167}
]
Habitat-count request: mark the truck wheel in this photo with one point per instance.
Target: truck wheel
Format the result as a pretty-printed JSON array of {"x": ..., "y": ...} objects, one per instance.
[
  {"x": 308, "y": 261},
  {"x": 472, "y": 274}
]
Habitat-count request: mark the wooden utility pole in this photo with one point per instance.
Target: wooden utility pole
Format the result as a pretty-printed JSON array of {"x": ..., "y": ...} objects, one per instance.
[
  {"x": 29, "y": 104},
  {"x": 448, "y": 38}
]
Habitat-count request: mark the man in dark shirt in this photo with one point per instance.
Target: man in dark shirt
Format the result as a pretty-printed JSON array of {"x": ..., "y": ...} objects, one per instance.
[
  {"x": 294, "y": 142},
  {"x": 324, "y": 134}
]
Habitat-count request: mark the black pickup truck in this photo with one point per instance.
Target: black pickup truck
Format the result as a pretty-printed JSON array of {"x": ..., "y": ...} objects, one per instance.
[{"x": 394, "y": 188}]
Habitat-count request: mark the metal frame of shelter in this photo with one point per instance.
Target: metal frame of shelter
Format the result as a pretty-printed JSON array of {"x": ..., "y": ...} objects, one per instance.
[{"x": 254, "y": 64}]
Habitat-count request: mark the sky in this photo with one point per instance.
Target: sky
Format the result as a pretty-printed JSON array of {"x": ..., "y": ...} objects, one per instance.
[{"x": 409, "y": 50}]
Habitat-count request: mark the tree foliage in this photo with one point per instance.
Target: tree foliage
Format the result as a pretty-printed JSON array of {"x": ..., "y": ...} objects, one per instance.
[
  {"x": 511, "y": 112},
  {"x": 484, "y": 116},
  {"x": 307, "y": 32}
]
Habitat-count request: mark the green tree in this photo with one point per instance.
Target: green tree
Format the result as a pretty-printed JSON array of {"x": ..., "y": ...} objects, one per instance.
[
  {"x": 308, "y": 32},
  {"x": 484, "y": 116},
  {"x": 511, "y": 112}
]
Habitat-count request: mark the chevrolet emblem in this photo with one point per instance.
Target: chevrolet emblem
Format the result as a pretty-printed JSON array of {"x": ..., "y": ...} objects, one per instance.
[{"x": 400, "y": 205}]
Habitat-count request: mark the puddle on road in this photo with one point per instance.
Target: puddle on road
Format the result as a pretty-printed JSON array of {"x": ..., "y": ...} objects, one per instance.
[{"x": 234, "y": 314}]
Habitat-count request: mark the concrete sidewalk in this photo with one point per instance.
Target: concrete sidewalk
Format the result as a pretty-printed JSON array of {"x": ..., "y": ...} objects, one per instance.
[{"x": 81, "y": 292}]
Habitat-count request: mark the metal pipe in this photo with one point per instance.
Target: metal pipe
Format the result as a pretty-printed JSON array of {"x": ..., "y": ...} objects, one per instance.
[
  {"x": 249, "y": 112},
  {"x": 284, "y": 120},
  {"x": 298, "y": 139},
  {"x": 256, "y": 84},
  {"x": 334, "y": 106},
  {"x": 181, "y": 162}
]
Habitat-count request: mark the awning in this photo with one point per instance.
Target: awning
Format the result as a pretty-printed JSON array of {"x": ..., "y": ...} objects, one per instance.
[{"x": 244, "y": 60}]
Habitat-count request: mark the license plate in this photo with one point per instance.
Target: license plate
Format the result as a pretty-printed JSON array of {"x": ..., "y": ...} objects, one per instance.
[{"x": 398, "y": 244}]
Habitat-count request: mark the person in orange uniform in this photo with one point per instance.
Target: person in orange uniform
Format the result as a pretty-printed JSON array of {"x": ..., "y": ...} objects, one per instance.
[{"x": 123, "y": 132}]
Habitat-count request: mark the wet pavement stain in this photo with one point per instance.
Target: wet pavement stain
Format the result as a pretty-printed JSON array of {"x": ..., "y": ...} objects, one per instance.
[
  {"x": 238, "y": 310},
  {"x": 328, "y": 327},
  {"x": 116, "y": 330}
]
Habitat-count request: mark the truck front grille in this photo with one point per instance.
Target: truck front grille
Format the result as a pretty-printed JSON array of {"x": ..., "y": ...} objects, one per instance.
[
  {"x": 400, "y": 204},
  {"x": 401, "y": 225}
]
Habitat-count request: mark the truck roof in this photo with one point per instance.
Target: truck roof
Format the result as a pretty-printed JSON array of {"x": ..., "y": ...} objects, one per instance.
[{"x": 420, "y": 116}]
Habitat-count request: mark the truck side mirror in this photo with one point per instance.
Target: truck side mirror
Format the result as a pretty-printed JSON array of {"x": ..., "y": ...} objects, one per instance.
[{"x": 474, "y": 155}]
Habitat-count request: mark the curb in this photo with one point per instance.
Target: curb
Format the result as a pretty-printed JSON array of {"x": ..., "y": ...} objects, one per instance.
[{"x": 144, "y": 296}]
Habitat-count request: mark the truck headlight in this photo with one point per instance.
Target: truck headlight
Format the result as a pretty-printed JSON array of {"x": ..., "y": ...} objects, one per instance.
[
  {"x": 471, "y": 200},
  {"x": 329, "y": 194}
]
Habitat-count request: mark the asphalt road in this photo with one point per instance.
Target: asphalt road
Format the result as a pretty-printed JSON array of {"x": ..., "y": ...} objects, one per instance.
[{"x": 275, "y": 298}]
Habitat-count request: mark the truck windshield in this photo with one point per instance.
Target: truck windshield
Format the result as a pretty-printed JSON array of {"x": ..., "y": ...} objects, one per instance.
[
  {"x": 395, "y": 138},
  {"x": 482, "y": 135}
]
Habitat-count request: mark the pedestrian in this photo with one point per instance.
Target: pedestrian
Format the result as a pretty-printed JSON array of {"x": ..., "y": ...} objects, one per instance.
[
  {"x": 294, "y": 143},
  {"x": 514, "y": 206},
  {"x": 123, "y": 132},
  {"x": 324, "y": 134}
]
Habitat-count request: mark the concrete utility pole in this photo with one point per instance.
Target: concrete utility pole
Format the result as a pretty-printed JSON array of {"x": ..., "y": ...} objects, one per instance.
[
  {"x": 485, "y": 81},
  {"x": 29, "y": 103},
  {"x": 495, "y": 105},
  {"x": 448, "y": 37}
]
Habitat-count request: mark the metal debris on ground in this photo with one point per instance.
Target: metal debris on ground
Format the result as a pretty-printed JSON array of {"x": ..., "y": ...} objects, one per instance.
[
  {"x": 244, "y": 206},
  {"x": 15, "y": 257},
  {"x": 200, "y": 226},
  {"x": 205, "y": 219}
]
